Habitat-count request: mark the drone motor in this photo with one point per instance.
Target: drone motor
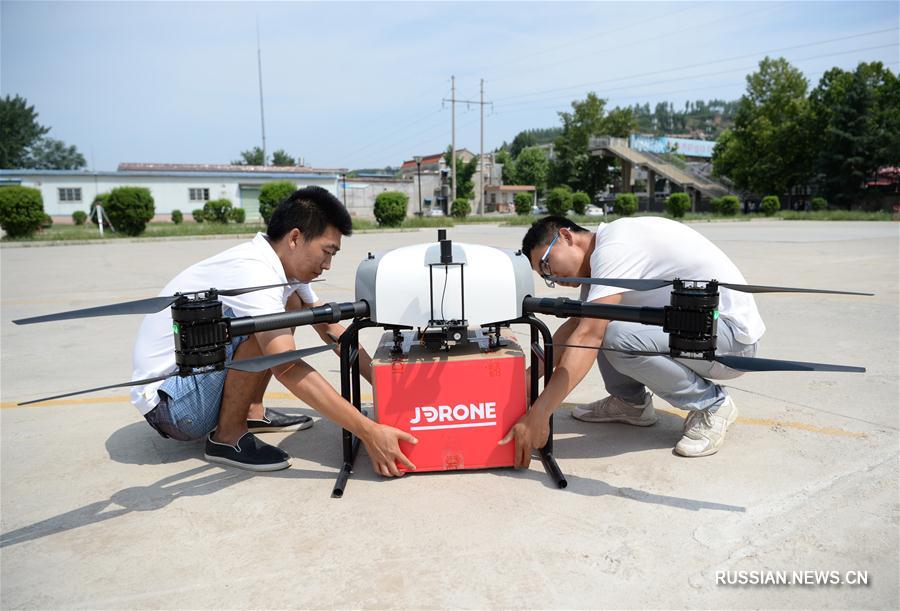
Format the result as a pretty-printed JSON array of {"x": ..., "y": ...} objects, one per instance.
[{"x": 201, "y": 332}]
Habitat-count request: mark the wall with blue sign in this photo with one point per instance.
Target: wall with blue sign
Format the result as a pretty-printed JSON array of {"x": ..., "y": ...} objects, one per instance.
[{"x": 664, "y": 144}]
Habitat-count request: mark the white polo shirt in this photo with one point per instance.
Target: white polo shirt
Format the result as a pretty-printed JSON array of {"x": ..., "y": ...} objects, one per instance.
[
  {"x": 655, "y": 247},
  {"x": 253, "y": 263}
]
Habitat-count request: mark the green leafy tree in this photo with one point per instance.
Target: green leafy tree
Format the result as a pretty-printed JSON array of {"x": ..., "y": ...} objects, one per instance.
[
  {"x": 522, "y": 141},
  {"x": 50, "y": 154},
  {"x": 19, "y": 129},
  {"x": 252, "y": 157},
  {"x": 21, "y": 211},
  {"x": 523, "y": 203},
  {"x": 625, "y": 204},
  {"x": 390, "y": 208},
  {"x": 559, "y": 201},
  {"x": 508, "y": 175},
  {"x": 770, "y": 205},
  {"x": 217, "y": 210},
  {"x": 855, "y": 123},
  {"x": 130, "y": 209},
  {"x": 271, "y": 194},
  {"x": 768, "y": 148},
  {"x": 465, "y": 170},
  {"x": 580, "y": 202},
  {"x": 280, "y": 157},
  {"x": 532, "y": 167},
  {"x": 677, "y": 204}
]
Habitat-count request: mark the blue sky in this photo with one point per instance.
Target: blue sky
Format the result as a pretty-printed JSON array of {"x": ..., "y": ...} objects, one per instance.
[{"x": 359, "y": 84}]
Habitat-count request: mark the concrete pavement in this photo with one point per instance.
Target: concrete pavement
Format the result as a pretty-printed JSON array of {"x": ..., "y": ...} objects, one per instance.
[{"x": 98, "y": 511}]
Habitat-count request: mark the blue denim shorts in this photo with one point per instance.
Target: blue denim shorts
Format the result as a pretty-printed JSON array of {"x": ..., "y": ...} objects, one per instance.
[{"x": 189, "y": 407}]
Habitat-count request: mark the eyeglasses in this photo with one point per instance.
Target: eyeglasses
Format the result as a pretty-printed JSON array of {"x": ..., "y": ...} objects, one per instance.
[{"x": 544, "y": 266}]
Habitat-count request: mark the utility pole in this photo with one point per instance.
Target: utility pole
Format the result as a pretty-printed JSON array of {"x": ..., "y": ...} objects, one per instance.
[
  {"x": 453, "y": 102},
  {"x": 262, "y": 116},
  {"x": 480, "y": 209}
]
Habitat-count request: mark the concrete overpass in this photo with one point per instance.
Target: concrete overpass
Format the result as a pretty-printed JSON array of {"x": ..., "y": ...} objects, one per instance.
[{"x": 696, "y": 186}]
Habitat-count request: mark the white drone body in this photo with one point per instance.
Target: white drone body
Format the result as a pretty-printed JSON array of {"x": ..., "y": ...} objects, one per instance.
[{"x": 412, "y": 286}]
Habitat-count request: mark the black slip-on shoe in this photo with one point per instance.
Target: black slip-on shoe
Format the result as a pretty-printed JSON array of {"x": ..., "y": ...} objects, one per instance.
[
  {"x": 275, "y": 421},
  {"x": 248, "y": 453}
]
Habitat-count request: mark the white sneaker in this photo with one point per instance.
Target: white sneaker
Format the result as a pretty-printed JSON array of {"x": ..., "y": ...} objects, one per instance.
[
  {"x": 704, "y": 431},
  {"x": 614, "y": 409}
]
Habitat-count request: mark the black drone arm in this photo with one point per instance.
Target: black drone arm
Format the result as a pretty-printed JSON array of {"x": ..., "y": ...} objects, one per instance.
[
  {"x": 563, "y": 307},
  {"x": 328, "y": 313}
]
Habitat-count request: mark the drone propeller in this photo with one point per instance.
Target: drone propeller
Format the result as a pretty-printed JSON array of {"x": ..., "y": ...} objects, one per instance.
[
  {"x": 141, "y": 306},
  {"x": 742, "y": 363},
  {"x": 253, "y": 365},
  {"x": 651, "y": 284}
]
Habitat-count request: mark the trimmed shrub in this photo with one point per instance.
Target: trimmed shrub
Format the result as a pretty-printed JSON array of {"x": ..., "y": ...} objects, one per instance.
[
  {"x": 130, "y": 209},
  {"x": 271, "y": 194},
  {"x": 523, "y": 203},
  {"x": 21, "y": 211},
  {"x": 626, "y": 204},
  {"x": 559, "y": 201},
  {"x": 770, "y": 205},
  {"x": 677, "y": 204},
  {"x": 217, "y": 210},
  {"x": 580, "y": 202},
  {"x": 197, "y": 213},
  {"x": 79, "y": 217},
  {"x": 818, "y": 203},
  {"x": 460, "y": 207},
  {"x": 101, "y": 199},
  {"x": 177, "y": 216},
  {"x": 715, "y": 204},
  {"x": 238, "y": 215},
  {"x": 731, "y": 205},
  {"x": 47, "y": 223},
  {"x": 390, "y": 208}
]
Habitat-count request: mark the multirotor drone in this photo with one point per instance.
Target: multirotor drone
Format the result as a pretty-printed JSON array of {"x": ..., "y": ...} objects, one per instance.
[{"x": 442, "y": 295}]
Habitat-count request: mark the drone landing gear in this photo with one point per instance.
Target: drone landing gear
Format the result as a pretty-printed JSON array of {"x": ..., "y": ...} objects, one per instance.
[{"x": 350, "y": 390}]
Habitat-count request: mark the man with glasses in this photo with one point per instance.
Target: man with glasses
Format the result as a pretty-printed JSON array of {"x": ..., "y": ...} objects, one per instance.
[{"x": 639, "y": 248}]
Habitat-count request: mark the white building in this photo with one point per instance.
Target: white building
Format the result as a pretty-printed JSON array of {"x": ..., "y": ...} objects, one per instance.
[{"x": 182, "y": 187}]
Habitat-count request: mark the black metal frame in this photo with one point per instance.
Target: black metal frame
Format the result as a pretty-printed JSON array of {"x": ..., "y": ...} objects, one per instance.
[{"x": 350, "y": 390}]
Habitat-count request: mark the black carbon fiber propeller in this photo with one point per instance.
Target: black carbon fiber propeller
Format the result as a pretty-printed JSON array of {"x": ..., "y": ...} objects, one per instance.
[
  {"x": 141, "y": 306},
  {"x": 658, "y": 283},
  {"x": 741, "y": 363},
  {"x": 253, "y": 365}
]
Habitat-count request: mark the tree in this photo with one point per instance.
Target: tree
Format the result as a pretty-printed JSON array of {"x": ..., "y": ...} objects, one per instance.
[
  {"x": 465, "y": 170},
  {"x": 768, "y": 148},
  {"x": 19, "y": 129},
  {"x": 21, "y": 211},
  {"x": 50, "y": 154},
  {"x": 508, "y": 175},
  {"x": 559, "y": 201},
  {"x": 532, "y": 167},
  {"x": 130, "y": 209},
  {"x": 271, "y": 194},
  {"x": 280, "y": 157},
  {"x": 855, "y": 123},
  {"x": 522, "y": 141},
  {"x": 390, "y": 208},
  {"x": 523, "y": 203},
  {"x": 252, "y": 157}
]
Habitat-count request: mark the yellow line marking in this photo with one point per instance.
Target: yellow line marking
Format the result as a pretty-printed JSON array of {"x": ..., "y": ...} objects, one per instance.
[{"x": 125, "y": 399}]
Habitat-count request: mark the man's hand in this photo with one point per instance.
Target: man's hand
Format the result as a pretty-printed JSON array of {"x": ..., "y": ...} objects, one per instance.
[
  {"x": 384, "y": 450},
  {"x": 530, "y": 432}
]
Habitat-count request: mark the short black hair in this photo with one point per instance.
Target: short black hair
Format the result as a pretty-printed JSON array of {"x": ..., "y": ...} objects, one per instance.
[
  {"x": 311, "y": 210},
  {"x": 543, "y": 230}
]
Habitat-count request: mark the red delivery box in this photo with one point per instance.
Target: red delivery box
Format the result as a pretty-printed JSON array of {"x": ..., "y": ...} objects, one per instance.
[{"x": 457, "y": 403}]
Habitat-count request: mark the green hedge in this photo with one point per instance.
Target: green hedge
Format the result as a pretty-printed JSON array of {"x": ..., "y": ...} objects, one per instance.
[
  {"x": 580, "y": 202},
  {"x": 559, "y": 201},
  {"x": 271, "y": 194},
  {"x": 198, "y": 215},
  {"x": 460, "y": 208},
  {"x": 390, "y": 208},
  {"x": 731, "y": 205},
  {"x": 770, "y": 205},
  {"x": 523, "y": 203},
  {"x": 238, "y": 215},
  {"x": 79, "y": 217},
  {"x": 21, "y": 211},
  {"x": 626, "y": 204},
  {"x": 130, "y": 209},
  {"x": 177, "y": 216},
  {"x": 677, "y": 204},
  {"x": 818, "y": 203},
  {"x": 217, "y": 210}
]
